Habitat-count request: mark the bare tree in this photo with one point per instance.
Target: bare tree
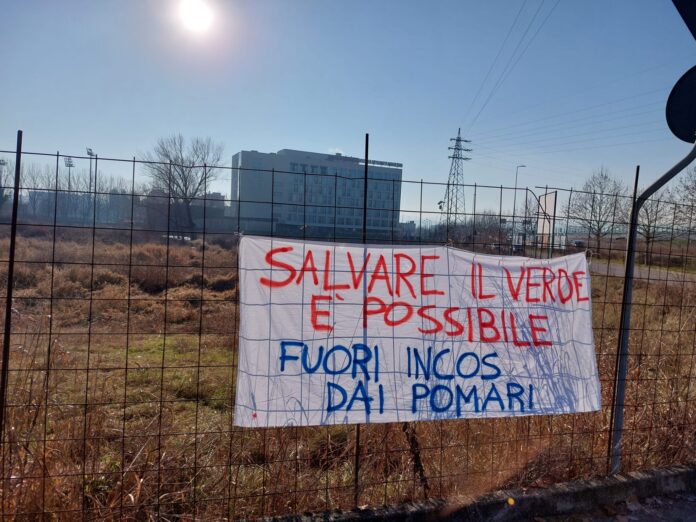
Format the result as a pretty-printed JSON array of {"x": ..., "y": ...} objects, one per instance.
[
  {"x": 656, "y": 220},
  {"x": 598, "y": 205},
  {"x": 6, "y": 181},
  {"x": 184, "y": 170},
  {"x": 687, "y": 199},
  {"x": 37, "y": 180}
]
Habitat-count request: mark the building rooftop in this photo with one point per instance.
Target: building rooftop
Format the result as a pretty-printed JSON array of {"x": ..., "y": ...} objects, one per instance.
[{"x": 333, "y": 157}]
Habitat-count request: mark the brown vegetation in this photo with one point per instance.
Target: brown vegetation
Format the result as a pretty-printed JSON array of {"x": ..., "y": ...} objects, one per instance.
[{"x": 122, "y": 391}]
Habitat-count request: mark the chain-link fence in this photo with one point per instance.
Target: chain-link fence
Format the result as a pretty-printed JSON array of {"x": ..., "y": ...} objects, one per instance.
[{"x": 124, "y": 325}]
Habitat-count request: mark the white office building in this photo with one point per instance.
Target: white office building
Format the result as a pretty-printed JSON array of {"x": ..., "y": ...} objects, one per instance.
[{"x": 312, "y": 195}]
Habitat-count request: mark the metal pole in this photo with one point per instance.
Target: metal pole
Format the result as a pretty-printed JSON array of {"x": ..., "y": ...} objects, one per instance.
[
  {"x": 624, "y": 332},
  {"x": 8, "y": 300},
  {"x": 367, "y": 150},
  {"x": 356, "y": 462},
  {"x": 514, "y": 208}
]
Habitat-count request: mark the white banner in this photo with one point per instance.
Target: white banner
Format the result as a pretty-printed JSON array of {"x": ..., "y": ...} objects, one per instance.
[{"x": 336, "y": 333}]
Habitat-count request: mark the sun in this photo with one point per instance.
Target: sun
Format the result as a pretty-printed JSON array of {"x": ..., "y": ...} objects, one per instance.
[{"x": 196, "y": 15}]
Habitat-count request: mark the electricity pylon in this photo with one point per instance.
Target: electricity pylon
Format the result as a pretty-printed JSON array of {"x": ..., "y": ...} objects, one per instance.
[{"x": 453, "y": 207}]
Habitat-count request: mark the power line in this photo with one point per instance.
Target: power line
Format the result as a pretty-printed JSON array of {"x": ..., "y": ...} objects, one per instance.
[
  {"x": 563, "y": 133},
  {"x": 602, "y": 83},
  {"x": 609, "y": 145},
  {"x": 510, "y": 65},
  {"x": 495, "y": 60},
  {"x": 575, "y": 111},
  {"x": 597, "y": 132},
  {"x": 540, "y": 150},
  {"x": 590, "y": 119}
]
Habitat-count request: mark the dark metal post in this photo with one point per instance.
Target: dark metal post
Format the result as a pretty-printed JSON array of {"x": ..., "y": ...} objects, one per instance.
[
  {"x": 367, "y": 151},
  {"x": 624, "y": 332},
  {"x": 553, "y": 224},
  {"x": 356, "y": 463},
  {"x": 8, "y": 300}
]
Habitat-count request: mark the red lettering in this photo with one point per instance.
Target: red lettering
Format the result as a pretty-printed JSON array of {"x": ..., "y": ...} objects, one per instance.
[
  {"x": 316, "y": 313},
  {"x": 564, "y": 297},
  {"x": 278, "y": 264},
  {"x": 367, "y": 311},
  {"x": 327, "y": 265},
  {"x": 515, "y": 289},
  {"x": 530, "y": 285},
  {"x": 396, "y": 322},
  {"x": 473, "y": 279},
  {"x": 357, "y": 277},
  {"x": 308, "y": 266},
  {"x": 536, "y": 330},
  {"x": 578, "y": 286},
  {"x": 423, "y": 313},
  {"x": 424, "y": 276},
  {"x": 403, "y": 276},
  {"x": 505, "y": 333},
  {"x": 515, "y": 338},
  {"x": 380, "y": 267},
  {"x": 547, "y": 285},
  {"x": 482, "y": 294},
  {"x": 470, "y": 325},
  {"x": 458, "y": 327},
  {"x": 487, "y": 324}
]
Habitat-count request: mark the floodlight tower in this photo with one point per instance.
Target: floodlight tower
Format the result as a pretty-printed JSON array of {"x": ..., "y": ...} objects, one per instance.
[
  {"x": 69, "y": 164},
  {"x": 2, "y": 173},
  {"x": 453, "y": 207},
  {"x": 91, "y": 155}
]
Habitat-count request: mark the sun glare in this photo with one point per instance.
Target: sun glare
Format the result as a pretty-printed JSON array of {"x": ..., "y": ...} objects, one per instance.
[{"x": 196, "y": 15}]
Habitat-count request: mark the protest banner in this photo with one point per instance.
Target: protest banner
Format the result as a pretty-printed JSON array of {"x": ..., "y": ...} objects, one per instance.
[{"x": 335, "y": 333}]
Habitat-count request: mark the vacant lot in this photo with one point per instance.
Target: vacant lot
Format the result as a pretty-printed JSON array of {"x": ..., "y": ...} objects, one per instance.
[{"x": 122, "y": 389}]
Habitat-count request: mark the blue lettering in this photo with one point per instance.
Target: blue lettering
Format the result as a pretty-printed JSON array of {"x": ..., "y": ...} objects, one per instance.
[
  {"x": 361, "y": 361},
  {"x": 284, "y": 356},
  {"x": 331, "y": 355},
  {"x": 417, "y": 396},
  {"x": 514, "y": 391},
  {"x": 468, "y": 397},
  {"x": 360, "y": 394},
  {"x": 439, "y": 375},
  {"x": 461, "y": 359},
  {"x": 330, "y": 388},
  {"x": 493, "y": 395},
  {"x": 305, "y": 359},
  {"x": 424, "y": 365},
  {"x": 438, "y": 406},
  {"x": 488, "y": 377}
]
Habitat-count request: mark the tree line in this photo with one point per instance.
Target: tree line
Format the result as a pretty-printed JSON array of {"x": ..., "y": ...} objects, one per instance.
[{"x": 602, "y": 207}]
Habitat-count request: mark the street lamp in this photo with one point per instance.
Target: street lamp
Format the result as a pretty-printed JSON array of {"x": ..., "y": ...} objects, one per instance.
[
  {"x": 69, "y": 164},
  {"x": 91, "y": 154},
  {"x": 514, "y": 205}
]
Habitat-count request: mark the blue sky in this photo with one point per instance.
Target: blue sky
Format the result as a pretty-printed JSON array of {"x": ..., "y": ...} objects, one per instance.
[{"x": 589, "y": 89}]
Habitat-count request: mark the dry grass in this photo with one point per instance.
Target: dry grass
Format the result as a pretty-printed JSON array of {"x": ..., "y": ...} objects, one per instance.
[{"x": 120, "y": 405}]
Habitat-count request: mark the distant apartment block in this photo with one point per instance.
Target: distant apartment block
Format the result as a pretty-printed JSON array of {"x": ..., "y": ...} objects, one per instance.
[{"x": 307, "y": 194}]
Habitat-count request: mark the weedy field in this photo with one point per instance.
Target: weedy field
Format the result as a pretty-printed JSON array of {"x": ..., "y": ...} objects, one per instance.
[{"x": 121, "y": 392}]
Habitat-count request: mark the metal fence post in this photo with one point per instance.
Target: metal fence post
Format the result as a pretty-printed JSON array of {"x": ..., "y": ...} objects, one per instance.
[
  {"x": 8, "y": 307},
  {"x": 356, "y": 463},
  {"x": 616, "y": 428}
]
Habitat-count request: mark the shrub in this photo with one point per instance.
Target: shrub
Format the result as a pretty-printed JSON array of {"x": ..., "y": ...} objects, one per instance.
[{"x": 220, "y": 284}]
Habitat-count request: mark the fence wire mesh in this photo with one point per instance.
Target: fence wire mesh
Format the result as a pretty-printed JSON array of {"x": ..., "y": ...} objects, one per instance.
[{"x": 123, "y": 352}]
